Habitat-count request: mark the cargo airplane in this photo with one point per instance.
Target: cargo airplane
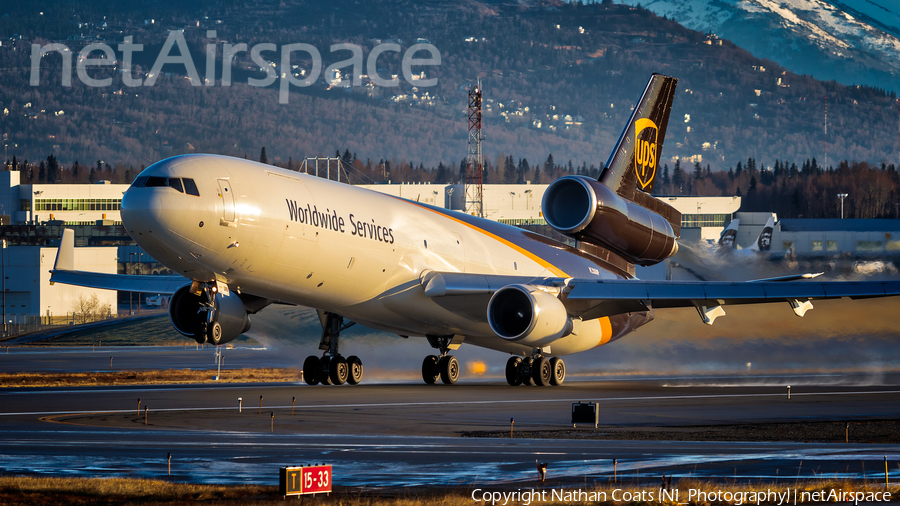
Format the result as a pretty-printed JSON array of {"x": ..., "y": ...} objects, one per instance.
[{"x": 244, "y": 235}]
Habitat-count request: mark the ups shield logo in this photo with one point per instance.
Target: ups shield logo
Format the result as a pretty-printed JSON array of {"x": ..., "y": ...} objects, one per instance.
[{"x": 645, "y": 151}]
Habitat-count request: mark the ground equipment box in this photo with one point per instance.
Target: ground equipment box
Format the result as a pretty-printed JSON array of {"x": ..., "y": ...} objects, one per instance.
[{"x": 585, "y": 412}]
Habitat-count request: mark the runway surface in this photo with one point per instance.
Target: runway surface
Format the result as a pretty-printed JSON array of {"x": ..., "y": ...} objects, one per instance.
[{"x": 407, "y": 434}]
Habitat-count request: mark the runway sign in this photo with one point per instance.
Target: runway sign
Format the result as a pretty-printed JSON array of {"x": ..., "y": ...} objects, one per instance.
[{"x": 304, "y": 480}]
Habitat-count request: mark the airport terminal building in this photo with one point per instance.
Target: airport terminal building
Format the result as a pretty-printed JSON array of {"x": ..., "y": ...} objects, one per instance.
[{"x": 32, "y": 217}]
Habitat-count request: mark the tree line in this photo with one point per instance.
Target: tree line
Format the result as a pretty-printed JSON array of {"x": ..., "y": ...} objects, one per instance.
[{"x": 808, "y": 190}]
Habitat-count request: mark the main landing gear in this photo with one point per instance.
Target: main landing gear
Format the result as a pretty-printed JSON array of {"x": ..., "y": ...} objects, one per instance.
[
  {"x": 444, "y": 366},
  {"x": 537, "y": 370},
  {"x": 332, "y": 368}
]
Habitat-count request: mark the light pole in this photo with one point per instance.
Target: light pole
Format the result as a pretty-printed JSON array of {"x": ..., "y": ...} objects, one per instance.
[
  {"x": 512, "y": 196},
  {"x": 842, "y": 196},
  {"x": 528, "y": 199},
  {"x": 131, "y": 294},
  {"x": 3, "y": 275},
  {"x": 141, "y": 269}
]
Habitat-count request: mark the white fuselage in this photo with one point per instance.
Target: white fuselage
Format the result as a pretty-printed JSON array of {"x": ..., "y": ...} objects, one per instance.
[{"x": 304, "y": 240}]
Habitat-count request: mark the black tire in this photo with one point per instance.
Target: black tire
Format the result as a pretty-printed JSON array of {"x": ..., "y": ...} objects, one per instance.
[
  {"x": 338, "y": 370},
  {"x": 200, "y": 333},
  {"x": 311, "y": 368},
  {"x": 513, "y": 371},
  {"x": 525, "y": 371},
  {"x": 325, "y": 370},
  {"x": 430, "y": 371},
  {"x": 541, "y": 372},
  {"x": 214, "y": 334},
  {"x": 558, "y": 371},
  {"x": 355, "y": 370},
  {"x": 449, "y": 369}
]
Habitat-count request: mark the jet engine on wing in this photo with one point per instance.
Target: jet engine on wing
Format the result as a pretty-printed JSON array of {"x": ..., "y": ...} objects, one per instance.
[
  {"x": 190, "y": 316},
  {"x": 590, "y": 211},
  {"x": 528, "y": 315}
]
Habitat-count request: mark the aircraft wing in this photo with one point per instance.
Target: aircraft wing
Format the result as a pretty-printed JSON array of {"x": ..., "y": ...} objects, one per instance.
[
  {"x": 146, "y": 284},
  {"x": 63, "y": 272},
  {"x": 591, "y": 299}
]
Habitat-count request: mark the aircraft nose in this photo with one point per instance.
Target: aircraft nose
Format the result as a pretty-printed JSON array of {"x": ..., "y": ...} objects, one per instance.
[
  {"x": 140, "y": 210},
  {"x": 158, "y": 215}
]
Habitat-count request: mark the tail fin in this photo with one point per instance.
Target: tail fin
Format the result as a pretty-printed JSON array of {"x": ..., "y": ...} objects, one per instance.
[
  {"x": 727, "y": 239},
  {"x": 764, "y": 241},
  {"x": 633, "y": 164}
]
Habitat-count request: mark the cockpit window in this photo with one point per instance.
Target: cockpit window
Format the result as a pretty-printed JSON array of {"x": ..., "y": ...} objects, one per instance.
[
  {"x": 175, "y": 182},
  {"x": 190, "y": 187},
  {"x": 183, "y": 185},
  {"x": 156, "y": 181}
]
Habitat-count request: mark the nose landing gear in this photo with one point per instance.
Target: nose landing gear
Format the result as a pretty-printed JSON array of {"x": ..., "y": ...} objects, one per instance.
[
  {"x": 332, "y": 368},
  {"x": 207, "y": 330}
]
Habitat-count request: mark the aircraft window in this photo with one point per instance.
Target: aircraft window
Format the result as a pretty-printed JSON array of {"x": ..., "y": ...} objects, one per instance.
[
  {"x": 190, "y": 187},
  {"x": 156, "y": 181},
  {"x": 140, "y": 182},
  {"x": 175, "y": 182}
]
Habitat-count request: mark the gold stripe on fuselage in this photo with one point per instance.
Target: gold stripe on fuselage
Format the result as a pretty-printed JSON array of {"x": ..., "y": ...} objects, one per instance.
[{"x": 540, "y": 261}]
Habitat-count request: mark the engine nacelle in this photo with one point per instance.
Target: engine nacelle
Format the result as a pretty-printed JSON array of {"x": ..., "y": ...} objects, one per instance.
[
  {"x": 590, "y": 211},
  {"x": 230, "y": 317},
  {"x": 528, "y": 315}
]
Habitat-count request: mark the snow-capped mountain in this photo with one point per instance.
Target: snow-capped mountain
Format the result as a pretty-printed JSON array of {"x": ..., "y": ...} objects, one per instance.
[{"x": 850, "y": 41}]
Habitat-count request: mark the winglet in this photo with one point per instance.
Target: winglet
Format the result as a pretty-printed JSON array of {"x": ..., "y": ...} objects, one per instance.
[{"x": 65, "y": 256}]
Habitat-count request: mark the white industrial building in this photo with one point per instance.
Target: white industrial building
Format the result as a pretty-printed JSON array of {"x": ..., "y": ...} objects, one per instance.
[
  {"x": 73, "y": 204},
  {"x": 27, "y": 283}
]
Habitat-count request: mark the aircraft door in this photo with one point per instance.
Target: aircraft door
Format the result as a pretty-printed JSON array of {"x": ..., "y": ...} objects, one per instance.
[{"x": 227, "y": 200}]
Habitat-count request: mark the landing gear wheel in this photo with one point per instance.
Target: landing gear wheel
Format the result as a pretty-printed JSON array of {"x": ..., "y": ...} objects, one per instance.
[
  {"x": 354, "y": 365},
  {"x": 525, "y": 369},
  {"x": 449, "y": 369},
  {"x": 338, "y": 370},
  {"x": 311, "y": 368},
  {"x": 430, "y": 371},
  {"x": 325, "y": 370},
  {"x": 214, "y": 333},
  {"x": 200, "y": 333},
  {"x": 558, "y": 369},
  {"x": 541, "y": 372},
  {"x": 513, "y": 371}
]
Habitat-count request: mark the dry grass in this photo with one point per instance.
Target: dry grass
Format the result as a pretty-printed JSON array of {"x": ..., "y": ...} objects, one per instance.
[
  {"x": 126, "y": 491},
  {"x": 152, "y": 377},
  {"x": 34, "y": 491}
]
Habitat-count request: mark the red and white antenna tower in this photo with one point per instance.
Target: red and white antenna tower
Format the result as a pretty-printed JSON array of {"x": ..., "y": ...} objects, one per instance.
[
  {"x": 826, "y": 134},
  {"x": 474, "y": 158}
]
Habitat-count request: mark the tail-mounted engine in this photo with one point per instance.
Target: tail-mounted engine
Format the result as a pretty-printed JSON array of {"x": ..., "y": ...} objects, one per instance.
[
  {"x": 528, "y": 315},
  {"x": 218, "y": 322},
  {"x": 589, "y": 211}
]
